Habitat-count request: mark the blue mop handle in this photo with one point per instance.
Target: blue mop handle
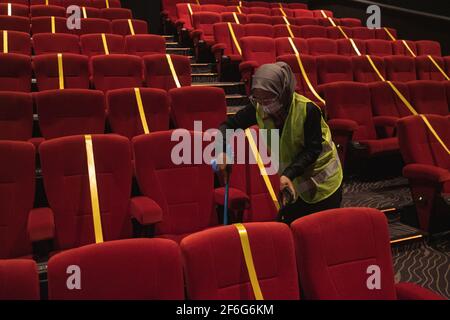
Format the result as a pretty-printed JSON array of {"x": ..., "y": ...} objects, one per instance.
[{"x": 215, "y": 168}]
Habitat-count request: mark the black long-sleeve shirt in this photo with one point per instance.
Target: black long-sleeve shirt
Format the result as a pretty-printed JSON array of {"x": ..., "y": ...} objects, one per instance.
[{"x": 246, "y": 118}]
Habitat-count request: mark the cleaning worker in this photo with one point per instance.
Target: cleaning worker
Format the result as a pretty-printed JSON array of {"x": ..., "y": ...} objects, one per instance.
[{"x": 310, "y": 170}]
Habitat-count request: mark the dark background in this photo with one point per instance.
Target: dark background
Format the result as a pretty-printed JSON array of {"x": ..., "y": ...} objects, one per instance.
[{"x": 430, "y": 22}]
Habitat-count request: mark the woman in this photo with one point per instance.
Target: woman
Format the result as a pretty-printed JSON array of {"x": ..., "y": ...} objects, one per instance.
[{"x": 309, "y": 165}]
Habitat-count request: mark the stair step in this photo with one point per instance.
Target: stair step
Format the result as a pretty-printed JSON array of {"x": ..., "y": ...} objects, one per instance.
[
  {"x": 203, "y": 67},
  {"x": 236, "y": 100},
  {"x": 182, "y": 51},
  {"x": 206, "y": 77},
  {"x": 232, "y": 110},
  {"x": 228, "y": 87},
  {"x": 168, "y": 36},
  {"x": 171, "y": 44}
]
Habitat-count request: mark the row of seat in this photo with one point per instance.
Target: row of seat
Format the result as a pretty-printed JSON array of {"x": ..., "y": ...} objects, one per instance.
[
  {"x": 88, "y": 44},
  {"x": 58, "y": 11},
  {"x": 66, "y": 3},
  {"x": 60, "y": 25}
]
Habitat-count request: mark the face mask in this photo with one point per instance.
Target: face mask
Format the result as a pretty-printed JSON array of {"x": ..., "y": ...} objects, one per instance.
[{"x": 272, "y": 108}]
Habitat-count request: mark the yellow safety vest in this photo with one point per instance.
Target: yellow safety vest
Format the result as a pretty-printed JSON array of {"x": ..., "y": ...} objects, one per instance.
[{"x": 322, "y": 178}]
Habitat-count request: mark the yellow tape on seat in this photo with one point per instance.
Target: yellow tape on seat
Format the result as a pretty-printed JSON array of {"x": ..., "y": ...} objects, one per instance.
[
  {"x": 198, "y": 2},
  {"x": 233, "y": 36},
  {"x": 409, "y": 49},
  {"x": 190, "y": 9},
  {"x": 428, "y": 124},
  {"x": 52, "y": 21},
  {"x": 342, "y": 31},
  {"x": 332, "y": 21},
  {"x": 5, "y": 41},
  {"x": 282, "y": 11},
  {"x": 140, "y": 105},
  {"x": 236, "y": 18},
  {"x": 9, "y": 9},
  {"x": 60, "y": 71},
  {"x": 438, "y": 67},
  {"x": 389, "y": 34},
  {"x": 261, "y": 167},
  {"x": 105, "y": 44},
  {"x": 355, "y": 46},
  {"x": 93, "y": 189},
  {"x": 107, "y": 3},
  {"x": 46, "y": 2},
  {"x": 323, "y": 14},
  {"x": 375, "y": 68},
  {"x": 84, "y": 12},
  {"x": 245, "y": 244},
  {"x": 402, "y": 98},
  {"x": 173, "y": 71},
  {"x": 289, "y": 29},
  {"x": 130, "y": 24},
  {"x": 239, "y": 9}
]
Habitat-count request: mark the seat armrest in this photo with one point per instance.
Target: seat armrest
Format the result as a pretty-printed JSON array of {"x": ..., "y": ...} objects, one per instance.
[
  {"x": 385, "y": 121},
  {"x": 343, "y": 125},
  {"x": 145, "y": 210},
  {"x": 426, "y": 172},
  {"x": 41, "y": 224},
  {"x": 237, "y": 200}
]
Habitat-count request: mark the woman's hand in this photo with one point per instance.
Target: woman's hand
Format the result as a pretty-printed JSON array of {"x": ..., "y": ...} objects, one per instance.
[{"x": 285, "y": 182}]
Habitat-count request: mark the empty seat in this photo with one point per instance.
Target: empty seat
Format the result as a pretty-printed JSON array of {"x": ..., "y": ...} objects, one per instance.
[
  {"x": 346, "y": 48},
  {"x": 259, "y": 18},
  {"x": 122, "y": 26},
  {"x": 400, "y": 68},
  {"x": 20, "y": 280},
  {"x": 284, "y": 46},
  {"x": 303, "y": 13},
  {"x": 313, "y": 32},
  {"x": 333, "y": 68},
  {"x": 295, "y": 6},
  {"x": 363, "y": 33},
  {"x": 70, "y": 112},
  {"x": 363, "y": 70},
  {"x": 212, "y": 7},
  {"x": 429, "y": 97},
  {"x": 230, "y": 17},
  {"x": 261, "y": 4},
  {"x": 49, "y": 2},
  {"x": 380, "y": 48},
  {"x": 282, "y": 20},
  {"x": 259, "y": 10},
  {"x": 350, "y": 262},
  {"x": 203, "y": 26},
  {"x": 45, "y": 25},
  {"x": 205, "y": 104},
  {"x": 336, "y": 33},
  {"x": 124, "y": 115},
  {"x": 425, "y": 47},
  {"x": 79, "y": 3},
  {"x": 47, "y": 11},
  {"x": 258, "y": 30},
  {"x": 427, "y": 70},
  {"x": 399, "y": 48},
  {"x": 383, "y": 34},
  {"x": 280, "y": 12},
  {"x": 16, "y": 116},
  {"x": 224, "y": 41},
  {"x": 55, "y": 43},
  {"x": 104, "y": 4},
  {"x": 281, "y": 30},
  {"x": 17, "y": 173},
  {"x": 14, "y": 9},
  {"x": 145, "y": 44},
  {"x": 15, "y": 23},
  {"x": 184, "y": 18},
  {"x": 350, "y": 22},
  {"x": 93, "y": 25},
  {"x": 322, "y": 46},
  {"x": 116, "y": 13},
  {"x": 22, "y": 2},
  {"x": 75, "y": 71},
  {"x": 306, "y": 21},
  {"x": 116, "y": 71},
  {"x": 93, "y": 45},
  {"x": 158, "y": 75},
  {"x": 322, "y": 13},
  {"x": 155, "y": 273},
  {"x": 15, "y": 72},
  {"x": 16, "y": 42},
  {"x": 220, "y": 248}
]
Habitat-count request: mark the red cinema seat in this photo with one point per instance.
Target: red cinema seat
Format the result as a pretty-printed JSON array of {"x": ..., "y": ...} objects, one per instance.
[
  {"x": 50, "y": 2},
  {"x": 70, "y": 112},
  {"x": 203, "y": 27},
  {"x": 122, "y": 26},
  {"x": 429, "y": 97},
  {"x": 14, "y": 9},
  {"x": 259, "y": 19},
  {"x": 75, "y": 71},
  {"x": 281, "y": 31},
  {"x": 17, "y": 173},
  {"x": 295, "y": 6},
  {"x": 15, "y": 23},
  {"x": 281, "y": 12},
  {"x": 105, "y": 4},
  {"x": 302, "y": 13},
  {"x": 22, "y": 2},
  {"x": 426, "y": 47},
  {"x": 313, "y": 32},
  {"x": 158, "y": 75},
  {"x": 336, "y": 33},
  {"x": 93, "y": 25},
  {"x": 212, "y": 7},
  {"x": 379, "y": 48},
  {"x": 427, "y": 70},
  {"x": 363, "y": 33},
  {"x": 184, "y": 18},
  {"x": 322, "y": 13},
  {"x": 123, "y": 111},
  {"x": 383, "y": 35},
  {"x": 258, "y": 30},
  {"x": 44, "y": 25},
  {"x": 205, "y": 104},
  {"x": 17, "y": 42},
  {"x": 230, "y": 17},
  {"x": 89, "y": 12},
  {"x": 259, "y": 10},
  {"x": 116, "y": 13},
  {"x": 66, "y": 180},
  {"x": 363, "y": 70},
  {"x": 16, "y": 116},
  {"x": 306, "y": 21},
  {"x": 56, "y": 43},
  {"x": 134, "y": 269},
  {"x": 322, "y": 46},
  {"x": 400, "y": 68},
  {"x": 207, "y": 252},
  {"x": 399, "y": 48},
  {"x": 225, "y": 46},
  {"x": 92, "y": 44},
  {"x": 284, "y": 46},
  {"x": 348, "y": 263},
  {"x": 333, "y": 68},
  {"x": 427, "y": 167},
  {"x": 346, "y": 47},
  {"x": 19, "y": 279},
  {"x": 116, "y": 71},
  {"x": 79, "y": 3},
  {"x": 325, "y": 22},
  {"x": 145, "y": 44},
  {"x": 47, "y": 11},
  {"x": 260, "y": 4},
  {"x": 282, "y": 20},
  {"x": 15, "y": 72}
]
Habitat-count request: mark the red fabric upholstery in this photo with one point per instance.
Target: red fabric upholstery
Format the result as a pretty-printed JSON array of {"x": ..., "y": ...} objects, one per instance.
[
  {"x": 335, "y": 33},
  {"x": 16, "y": 116},
  {"x": 224, "y": 40},
  {"x": 70, "y": 112},
  {"x": 229, "y": 17},
  {"x": 16, "y": 9},
  {"x": 426, "y": 70},
  {"x": 16, "y": 197},
  {"x": 47, "y": 11},
  {"x": 259, "y": 49},
  {"x": 318, "y": 13},
  {"x": 158, "y": 75},
  {"x": 183, "y": 191},
  {"x": 102, "y": 3},
  {"x": 331, "y": 269},
  {"x": 55, "y": 43},
  {"x": 123, "y": 113},
  {"x": 91, "y": 12},
  {"x": 345, "y": 47},
  {"x": 258, "y": 30},
  {"x": 281, "y": 30},
  {"x": 278, "y": 13},
  {"x": 332, "y": 68},
  {"x": 19, "y": 279},
  {"x": 116, "y": 71},
  {"x": 44, "y": 25},
  {"x": 380, "y": 48},
  {"x": 135, "y": 269},
  {"x": 363, "y": 71},
  {"x": 92, "y": 44},
  {"x": 116, "y": 13},
  {"x": 313, "y": 32},
  {"x": 40, "y": 2},
  {"x": 145, "y": 44},
  {"x": 306, "y": 21},
  {"x": 350, "y": 22},
  {"x": 303, "y": 13},
  {"x": 382, "y": 34},
  {"x": 122, "y": 27},
  {"x": 215, "y": 267},
  {"x": 80, "y": 3},
  {"x": 399, "y": 48},
  {"x": 203, "y": 24},
  {"x": 363, "y": 33},
  {"x": 15, "y": 23},
  {"x": 15, "y": 72},
  {"x": 284, "y": 47},
  {"x": 259, "y": 10},
  {"x": 75, "y": 68},
  {"x": 280, "y": 20},
  {"x": 66, "y": 182},
  {"x": 412, "y": 291},
  {"x": 429, "y": 97},
  {"x": 214, "y": 6},
  {"x": 296, "y": 6},
  {"x": 93, "y": 25},
  {"x": 205, "y": 104},
  {"x": 18, "y": 42},
  {"x": 261, "y": 4},
  {"x": 400, "y": 68},
  {"x": 425, "y": 47},
  {"x": 184, "y": 18}
]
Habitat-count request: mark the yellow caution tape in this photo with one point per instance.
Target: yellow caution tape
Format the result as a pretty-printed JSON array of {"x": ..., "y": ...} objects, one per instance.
[
  {"x": 438, "y": 67},
  {"x": 198, "y": 2},
  {"x": 409, "y": 49},
  {"x": 60, "y": 71},
  {"x": 190, "y": 9},
  {"x": 240, "y": 3},
  {"x": 130, "y": 24},
  {"x": 341, "y": 30},
  {"x": 282, "y": 11},
  {"x": 434, "y": 133},
  {"x": 239, "y": 9},
  {"x": 375, "y": 68},
  {"x": 402, "y": 98},
  {"x": 291, "y": 34},
  {"x": 332, "y": 22},
  {"x": 137, "y": 93},
  {"x": 245, "y": 243},
  {"x": 46, "y": 2},
  {"x": 236, "y": 19},
  {"x": 233, "y": 36},
  {"x": 323, "y": 14},
  {"x": 172, "y": 70},
  {"x": 105, "y": 44},
  {"x": 354, "y": 46},
  {"x": 389, "y": 34},
  {"x": 281, "y": 5},
  {"x": 9, "y": 9},
  {"x": 93, "y": 190},
  {"x": 107, "y": 3},
  {"x": 84, "y": 12},
  {"x": 261, "y": 167},
  {"x": 5, "y": 41},
  {"x": 52, "y": 21}
]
